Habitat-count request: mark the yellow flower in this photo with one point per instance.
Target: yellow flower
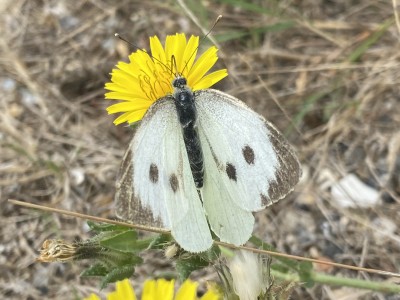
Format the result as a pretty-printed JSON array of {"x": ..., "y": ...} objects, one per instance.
[
  {"x": 147, "y": 78},
  {"x": 160, "y": 289},
  {"x": 124, "y": 290},
  {"x": 92, "y": 297}
]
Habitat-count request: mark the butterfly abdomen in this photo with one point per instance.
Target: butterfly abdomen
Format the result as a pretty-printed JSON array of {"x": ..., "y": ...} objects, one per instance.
[{"x": 187, "y": 114}]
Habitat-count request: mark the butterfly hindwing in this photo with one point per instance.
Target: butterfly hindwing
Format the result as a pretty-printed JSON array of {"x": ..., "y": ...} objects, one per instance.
[
  {"x": 156, "y": 186},
  {"x": 228, "y": 220}
]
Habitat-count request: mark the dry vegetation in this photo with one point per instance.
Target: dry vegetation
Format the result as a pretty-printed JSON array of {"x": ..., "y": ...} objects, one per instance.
[{"x": 325, "y": 72}]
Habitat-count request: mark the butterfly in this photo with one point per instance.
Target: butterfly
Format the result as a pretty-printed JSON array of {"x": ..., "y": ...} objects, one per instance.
[{"x": 203, "y": 161}]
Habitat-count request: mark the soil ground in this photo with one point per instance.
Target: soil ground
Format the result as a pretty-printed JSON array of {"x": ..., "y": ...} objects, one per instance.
[{"x": 325, "y": 72}]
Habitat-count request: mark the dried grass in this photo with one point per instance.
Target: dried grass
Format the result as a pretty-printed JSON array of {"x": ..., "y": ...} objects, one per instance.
[{"x": 338, "y": 101}]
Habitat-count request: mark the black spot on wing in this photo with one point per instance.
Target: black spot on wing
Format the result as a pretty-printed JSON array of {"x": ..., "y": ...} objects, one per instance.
[
  {"x": 231, "y": 171},
  {"x": 248, "y": 154},
  {"x": 153, "y": 173},
  {"x": 173, "y": 181}
]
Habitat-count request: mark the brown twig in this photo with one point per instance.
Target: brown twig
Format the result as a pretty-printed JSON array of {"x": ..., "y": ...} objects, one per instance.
[{"x": 227, "y": 245}]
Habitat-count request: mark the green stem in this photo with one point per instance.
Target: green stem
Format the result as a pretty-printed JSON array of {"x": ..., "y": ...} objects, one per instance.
[{"x": 341, "y": 281}]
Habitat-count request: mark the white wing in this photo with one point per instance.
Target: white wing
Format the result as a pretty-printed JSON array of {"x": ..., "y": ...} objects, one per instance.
[
  {"x": 248, "y": 164},
  {"x": 229, "y": 221},
  {"x": 156, "y": 186}
]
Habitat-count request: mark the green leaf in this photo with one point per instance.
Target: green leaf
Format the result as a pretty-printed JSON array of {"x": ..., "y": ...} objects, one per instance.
[
  {"x": 125, "y": 242},
  {"x": 308, "y": 105},
  {"x": 132, "y": 260},
  {"x": 160, "y": 241},
  {"x": 280, "y": 268},
  {"x": 306, "y": 273},
  {"x": 211, "y": 254},
  {"x": 117, "y": 274},
  {"x": 185, "y": 266},
  {"x": 239, "y": 34},
  {"x": 249, "y": 6},
  {"x": 98, "y": 270},
  {"x": 101, "y": 227},
  {"x": 357, "y": 53}
]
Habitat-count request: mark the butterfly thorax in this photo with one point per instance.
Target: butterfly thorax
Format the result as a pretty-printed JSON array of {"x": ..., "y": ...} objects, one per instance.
[{"x": 187, "y": 114}]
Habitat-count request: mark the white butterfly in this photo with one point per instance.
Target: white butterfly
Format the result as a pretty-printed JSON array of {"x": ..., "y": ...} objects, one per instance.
[{"x": 203, "y": 160}]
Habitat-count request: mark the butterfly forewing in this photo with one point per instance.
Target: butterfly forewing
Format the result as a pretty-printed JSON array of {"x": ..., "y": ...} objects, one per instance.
[
  {"x": 156, "y": 186},
  {"x": 141, "y": 183},
  {"x": 127, "y": 206}
]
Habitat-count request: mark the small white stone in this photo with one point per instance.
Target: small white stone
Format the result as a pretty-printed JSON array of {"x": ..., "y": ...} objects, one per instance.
[
  {"x": 350, "y": 191},
  {"x": 77, "y": 176}
]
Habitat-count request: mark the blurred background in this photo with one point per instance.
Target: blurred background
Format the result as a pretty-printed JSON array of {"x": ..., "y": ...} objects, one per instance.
[{"x": 326, "y": 73}]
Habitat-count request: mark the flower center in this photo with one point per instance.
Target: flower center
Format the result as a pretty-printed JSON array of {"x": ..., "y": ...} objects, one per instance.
[{"x": 156, "y": 84}]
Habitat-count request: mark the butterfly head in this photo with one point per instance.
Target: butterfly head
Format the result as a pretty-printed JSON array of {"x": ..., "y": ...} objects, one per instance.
[{"x": 179, "y": 82}]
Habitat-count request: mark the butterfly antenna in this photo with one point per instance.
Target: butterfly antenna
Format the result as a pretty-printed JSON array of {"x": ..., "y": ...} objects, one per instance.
[
  {"x": 139, "y": 49},
  {"x": 212, "y": 28},
  {"x": 202, "y": 40},
  {"x": 126, "y": 41}
]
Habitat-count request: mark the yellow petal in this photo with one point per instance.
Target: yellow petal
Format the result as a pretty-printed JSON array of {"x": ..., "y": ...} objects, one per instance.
[
  {"x": 123, "y": 291},
  {"x": 126, "y": 106},
  {"x": 130, "y": 117},
  {"x": 174, "y": 47},
  {"x": 165, "y": 289},
  {"x": 210, "y": 79},
  {"x": 187, "y": 291},
  {"x": 190, "y": 54},
  {"x": 158, "y": 289},
  {"x": 149, "y": 290},
  {"x": 202, "y": 65},
  {"x": 211, "y": 295},
  {"x": 157, "y": 49},
  {"x": 92, "y": 297}
]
